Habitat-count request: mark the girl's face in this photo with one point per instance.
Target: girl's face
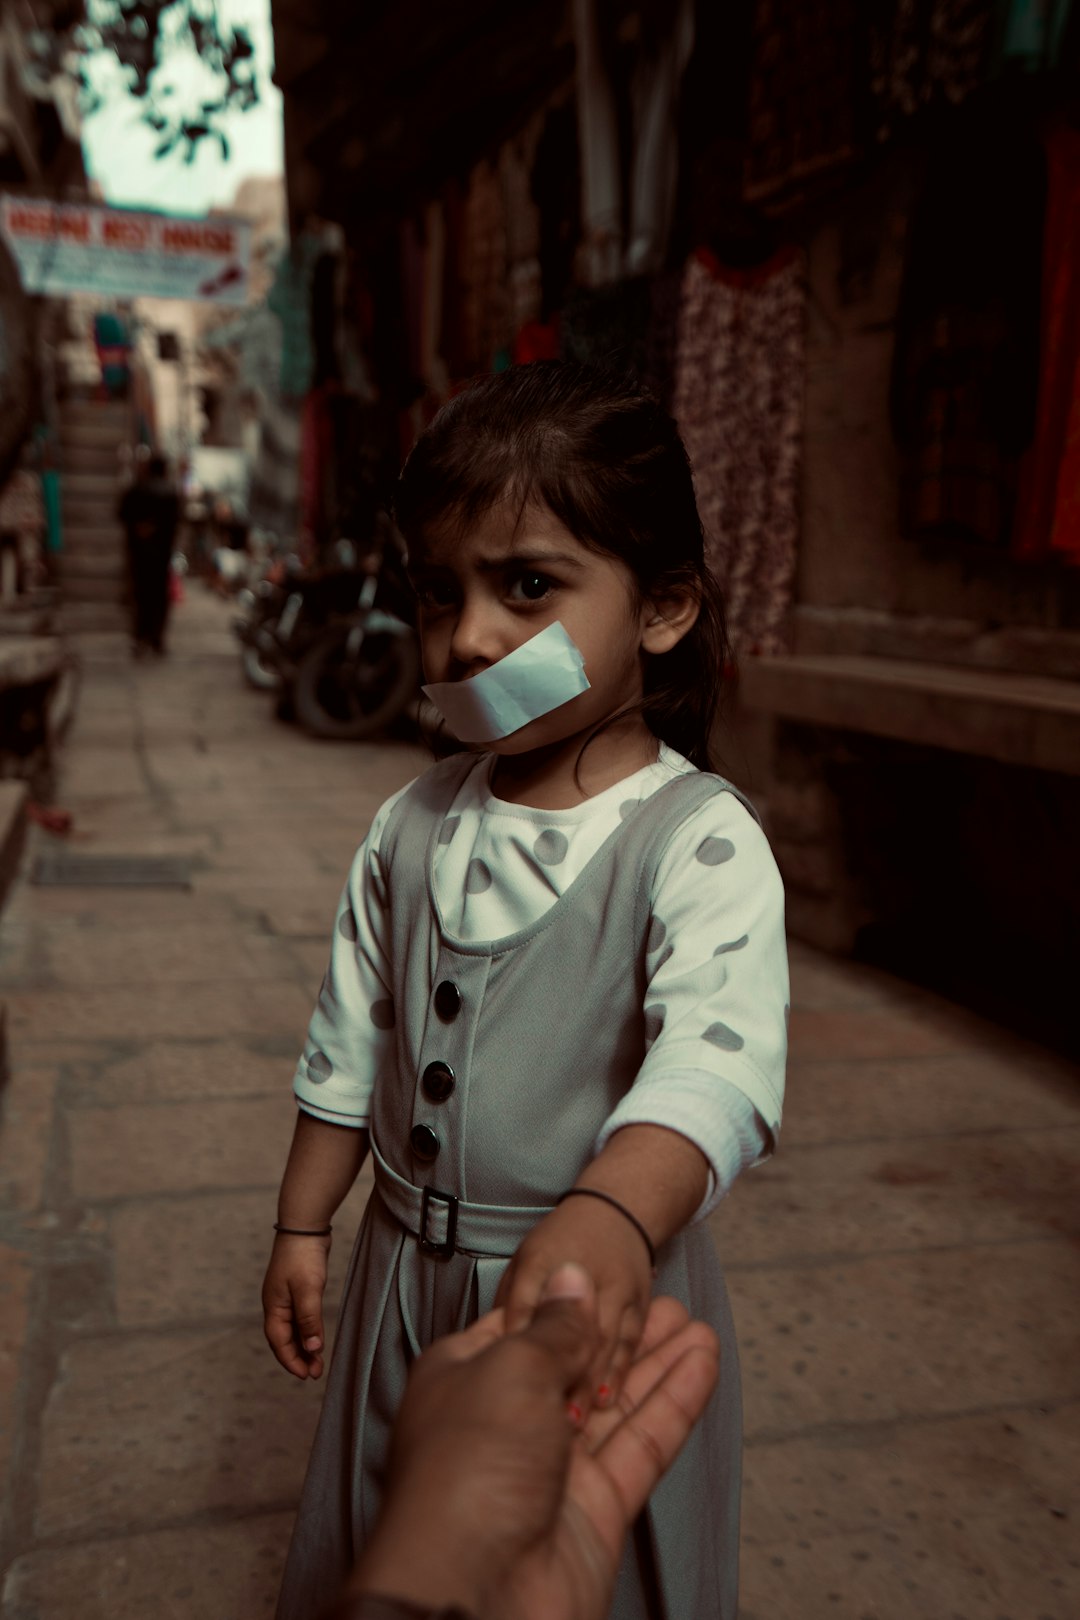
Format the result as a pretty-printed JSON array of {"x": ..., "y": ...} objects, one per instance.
[{"x": 484, "y": 593}]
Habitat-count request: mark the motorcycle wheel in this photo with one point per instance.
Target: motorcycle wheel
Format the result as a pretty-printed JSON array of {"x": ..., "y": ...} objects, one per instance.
[
  {"x": 257, "y": 672},
  {"x": 348, "y": 695}
]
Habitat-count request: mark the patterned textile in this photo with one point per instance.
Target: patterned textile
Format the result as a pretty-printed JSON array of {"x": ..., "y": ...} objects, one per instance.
[
  {"x": 737, "y": 395},
  {"x": 965, "y": 367},
  {"x": 22, "y": 510},
  {"x": 606, "y": 326},
  {"x": 803, "y": 103},
  {"x": 1048, "y": 518},
  {"x": 290, "y": 300},
  {"x": 485, "y": 306},
  {"x": 927, "y": 52}
]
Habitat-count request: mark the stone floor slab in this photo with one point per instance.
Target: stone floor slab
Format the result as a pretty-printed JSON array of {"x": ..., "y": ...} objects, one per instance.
[
  {"x": 944, "y": 1094},
  {"x": 872, "y": 1032},
  {"x": 26, "y": 1122},
  {"x": 16, "y": 1282},
  {"x": 225, "y": 1572},
  {"x": 1013, "y": 1567},
  {"x": 926, "y": 1192},
  {"x": 182, "y": 1071},
  {"x": 891, "y": 1337},
  {"x": 190, "y": 953},
  {"x": 301, "y": 913},
  {"x": 861, "y": 1477},
  {"x": 132, "y": 1150},
  {"x": 181, "y": 1261},
  {"x": 145, "y": 1429},
  {"x": 184, "y": 1011}
]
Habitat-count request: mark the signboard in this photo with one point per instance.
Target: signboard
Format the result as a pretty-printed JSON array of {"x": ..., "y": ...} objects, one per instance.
[{"x": 65, "y": 248}]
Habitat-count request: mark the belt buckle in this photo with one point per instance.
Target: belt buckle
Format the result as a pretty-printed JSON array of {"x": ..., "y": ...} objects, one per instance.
[{"x": 428, "y": 1245}]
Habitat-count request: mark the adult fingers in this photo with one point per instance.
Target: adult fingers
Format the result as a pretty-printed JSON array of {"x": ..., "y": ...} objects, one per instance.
[
  {"x": 469, "y": 1342},
  {"x": 651, "y": 1365},
  {"x": 622, "y": 1354},
  {"x": 665, "y": 1316},
  {"x": 522, "y": 1295},
  {"x": 642, "y": 1447}
]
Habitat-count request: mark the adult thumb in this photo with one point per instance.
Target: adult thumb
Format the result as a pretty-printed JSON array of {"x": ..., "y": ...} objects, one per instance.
[{"x": 565, "y": 1321}]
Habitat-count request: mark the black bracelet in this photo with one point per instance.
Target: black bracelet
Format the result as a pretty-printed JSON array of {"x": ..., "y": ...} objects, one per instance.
[
  {"x": 594, "y": 1192},
  {"x": 296, "y": 1231}
]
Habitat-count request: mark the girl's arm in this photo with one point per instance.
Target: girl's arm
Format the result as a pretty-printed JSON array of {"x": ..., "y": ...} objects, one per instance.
[
  {"x": 660, "y": 1178},
  {"x": 714, "y": 1012},
  {"x": 345, "y": 1049},
  {"x": 323, "y": 1163}
]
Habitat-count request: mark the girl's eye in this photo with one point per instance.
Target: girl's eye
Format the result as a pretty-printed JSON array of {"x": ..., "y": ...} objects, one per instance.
[
  {"x": 437, "y": 593},
  {"x": 533, "y": 587}
]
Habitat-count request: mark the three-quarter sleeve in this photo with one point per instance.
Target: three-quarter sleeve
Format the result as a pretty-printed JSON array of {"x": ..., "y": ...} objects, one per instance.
[
  {"x": 350, "y": 1037},
  {"x": 716, "y": 1003}
]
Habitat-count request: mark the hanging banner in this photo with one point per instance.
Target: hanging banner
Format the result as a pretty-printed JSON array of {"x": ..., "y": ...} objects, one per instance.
[{"x": 65, "y": 248}]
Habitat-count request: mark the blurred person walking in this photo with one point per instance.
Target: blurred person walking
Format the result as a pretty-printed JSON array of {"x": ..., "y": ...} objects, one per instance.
[{"x": 150, "y": 513}]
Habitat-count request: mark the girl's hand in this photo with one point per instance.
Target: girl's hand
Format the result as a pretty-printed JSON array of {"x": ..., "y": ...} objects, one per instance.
[
  {"x": 604, "y": 1243},
  {"x": 292, "y": 1297}
]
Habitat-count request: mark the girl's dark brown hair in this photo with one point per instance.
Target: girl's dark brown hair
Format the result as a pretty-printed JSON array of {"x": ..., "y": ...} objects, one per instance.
[{"x": 605, "y": 457}]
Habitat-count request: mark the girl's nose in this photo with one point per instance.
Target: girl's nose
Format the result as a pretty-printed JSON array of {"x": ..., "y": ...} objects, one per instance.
[{"x": 474, "y": 643}]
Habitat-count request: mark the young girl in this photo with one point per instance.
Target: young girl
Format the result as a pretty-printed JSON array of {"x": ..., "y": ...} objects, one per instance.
[{"x": 555, "y": 1007}]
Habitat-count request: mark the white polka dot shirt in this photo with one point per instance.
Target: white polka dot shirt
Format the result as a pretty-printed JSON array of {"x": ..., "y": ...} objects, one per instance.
[{"x": 716, "y": 1003}]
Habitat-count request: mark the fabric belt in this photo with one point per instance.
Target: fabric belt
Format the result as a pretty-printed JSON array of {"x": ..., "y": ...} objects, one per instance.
[{"x": 444, "y": 1224}]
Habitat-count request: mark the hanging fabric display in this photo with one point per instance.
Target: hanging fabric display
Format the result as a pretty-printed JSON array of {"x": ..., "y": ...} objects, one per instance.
[
  {"x": 664, "y": 47},
  {"x": 928, "y": 53},
  {"x": 484, "y": 305},
  {"x": 802, "y": 124},
  {"x": 965, "y": 368},
  {"x": 1048, "y": 516},
  {"x": 737, "y": 395},
  {"x": 290, "y": 300},
  {"x": 598, "y": 133},
  {"x": 607, "y": 325},
  {"x": 1031, "y": 35}
]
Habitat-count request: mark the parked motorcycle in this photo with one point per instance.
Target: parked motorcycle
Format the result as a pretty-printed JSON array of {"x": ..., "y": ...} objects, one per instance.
[{"x": 337, "y": 643}]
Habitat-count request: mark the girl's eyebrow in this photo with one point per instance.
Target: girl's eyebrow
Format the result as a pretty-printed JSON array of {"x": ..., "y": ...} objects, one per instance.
[
  {"x": 494, "y": 565},
  {"x": 528, "y": 559}
]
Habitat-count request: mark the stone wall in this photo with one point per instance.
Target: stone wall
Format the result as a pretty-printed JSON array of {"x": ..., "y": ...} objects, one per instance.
[
  {"x": 859, "y": 581},
  {"x": 950, "y": 868}
]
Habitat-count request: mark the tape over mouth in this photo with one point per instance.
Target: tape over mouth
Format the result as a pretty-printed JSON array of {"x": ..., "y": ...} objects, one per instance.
[{"x": 538, "y": 677}]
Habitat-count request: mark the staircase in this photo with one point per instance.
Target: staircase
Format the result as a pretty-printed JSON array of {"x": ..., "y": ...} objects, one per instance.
[{"x": 93, "y": 566}]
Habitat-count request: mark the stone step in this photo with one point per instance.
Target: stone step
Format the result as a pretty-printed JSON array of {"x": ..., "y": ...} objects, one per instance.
[
  {"x": 13, "y": 801},
  {"x": 89, "y": 515},
  {"x": 91, "y": 588},
  {"x": 82, "y": 618},
  {"x": 1027, "y": 720},
  {"x": 83, "y": 414},
  {"x": 91, "y": 485},
  {"x": 93, "y": 537},
  {"x": 92, "y": 565},
  {"x": 101, "y": 459}
]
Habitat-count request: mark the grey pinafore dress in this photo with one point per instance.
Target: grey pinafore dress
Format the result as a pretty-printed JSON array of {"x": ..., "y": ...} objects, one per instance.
[{"x": 511, "y": 1055}]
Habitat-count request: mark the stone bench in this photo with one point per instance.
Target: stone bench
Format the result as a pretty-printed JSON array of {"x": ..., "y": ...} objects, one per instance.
[
  {"x": 1024, "y": 720},
  {"x": 822, "y": 704}
]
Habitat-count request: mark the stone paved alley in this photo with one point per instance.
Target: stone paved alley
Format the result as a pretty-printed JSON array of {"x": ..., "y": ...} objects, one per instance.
[{"x": 905, "y": 1274}]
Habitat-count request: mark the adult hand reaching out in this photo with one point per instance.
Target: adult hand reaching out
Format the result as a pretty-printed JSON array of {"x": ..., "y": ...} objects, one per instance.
[{"x": 495, "y": 1503}]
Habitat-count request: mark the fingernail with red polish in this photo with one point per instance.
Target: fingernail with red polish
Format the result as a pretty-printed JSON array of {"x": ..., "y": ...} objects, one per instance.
[
  {"x": 574, "y": 1413},
  {"x": 604, "y": 1394}
]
